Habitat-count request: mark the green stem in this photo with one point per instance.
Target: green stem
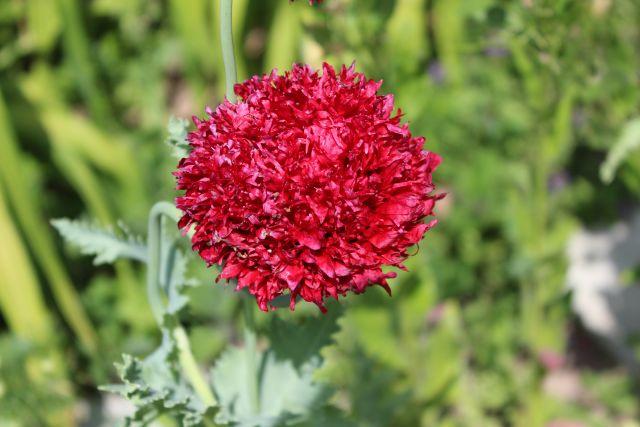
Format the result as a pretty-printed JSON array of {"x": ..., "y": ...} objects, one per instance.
[
  {"x": 78, "y": 50},
  {"x": 251, "y": 352},
  {"x": 154, "y": 291},
  {"x": 157, "y": 300},
  {"x": 190, "y": 367},
  {"x": 226, "y": 41}
]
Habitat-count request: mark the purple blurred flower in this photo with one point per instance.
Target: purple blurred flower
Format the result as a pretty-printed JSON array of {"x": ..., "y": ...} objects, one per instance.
[{"x": 437, "y": 72}]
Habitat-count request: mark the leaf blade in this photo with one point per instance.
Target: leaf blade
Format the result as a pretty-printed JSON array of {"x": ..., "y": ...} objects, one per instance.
[
  {"x": 628, "y": 141},
  {"x": 103, "y": 243}
]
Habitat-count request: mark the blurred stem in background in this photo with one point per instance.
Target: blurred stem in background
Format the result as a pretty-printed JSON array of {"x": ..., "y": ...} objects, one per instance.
[
  {"x": 189, "y": 19},
  {"x": 226, "y": 43},
  {"x": 238, "y": 20},
  {"x": 76, "y": 45},
  {"x": 283, "y": 45},
  {"x": 449, "y": 37}
]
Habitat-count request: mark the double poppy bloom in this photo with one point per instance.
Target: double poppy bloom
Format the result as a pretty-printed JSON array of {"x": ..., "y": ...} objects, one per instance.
[{"x": 307, "y": 185}]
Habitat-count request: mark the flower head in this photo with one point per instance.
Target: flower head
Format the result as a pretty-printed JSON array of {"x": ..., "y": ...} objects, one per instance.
[{"x": 308, "y": 185}]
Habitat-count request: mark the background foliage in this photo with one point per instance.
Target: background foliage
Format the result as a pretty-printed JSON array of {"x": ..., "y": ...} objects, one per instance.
[{"x": 524, "y": 99}]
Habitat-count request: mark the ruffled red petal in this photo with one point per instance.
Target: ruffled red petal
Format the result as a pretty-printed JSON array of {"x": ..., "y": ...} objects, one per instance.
[{"x": 308, "y": 185}]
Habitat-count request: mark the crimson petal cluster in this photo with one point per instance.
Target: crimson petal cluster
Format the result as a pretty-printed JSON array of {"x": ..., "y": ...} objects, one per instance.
[{"x": 308, "y": 185}]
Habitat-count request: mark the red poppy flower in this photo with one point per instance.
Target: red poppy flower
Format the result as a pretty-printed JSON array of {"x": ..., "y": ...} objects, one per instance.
[{"x": 308, "y": 185}]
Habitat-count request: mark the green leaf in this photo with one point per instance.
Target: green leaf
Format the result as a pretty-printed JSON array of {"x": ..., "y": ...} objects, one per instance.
[
  {"x": 163, "y": 383},
  {"x": 285, "y": 393},
  {"x": 300, "y": 341},
  {"x": 177, "y": 138},
  {"x": 629, "y": 140},
  {"x": 155, "y": 386},
  {"x": 101, "y": 242}
]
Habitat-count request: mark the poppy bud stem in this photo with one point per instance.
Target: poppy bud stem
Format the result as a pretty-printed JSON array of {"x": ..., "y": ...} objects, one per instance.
[
  {"x": 226, "y": 42},
  {"x": 154, "y": 291}
]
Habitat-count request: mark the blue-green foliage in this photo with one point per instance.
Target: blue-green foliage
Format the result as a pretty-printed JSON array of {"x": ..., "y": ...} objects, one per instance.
[{"x": 286, "y": 390}]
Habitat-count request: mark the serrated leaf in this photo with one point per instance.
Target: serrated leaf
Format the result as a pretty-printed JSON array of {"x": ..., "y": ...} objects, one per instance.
[
  {"x": 629, "y": 140},
  {"x": 177, "y": 138},
  {"x": 300, "y": 341},
  {"x": 101, "y": 242},
  {"x": 154, "y": 385},
  {"x": 285, "y": 394}
]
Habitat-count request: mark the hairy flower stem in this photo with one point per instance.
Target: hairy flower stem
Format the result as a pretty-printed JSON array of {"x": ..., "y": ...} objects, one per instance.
[
  {"x": 190, "y": 367},
  {"x": 157, "y": 299},
  {"x": 226, "y": 41},
  {"x": 154, "y": 290}
]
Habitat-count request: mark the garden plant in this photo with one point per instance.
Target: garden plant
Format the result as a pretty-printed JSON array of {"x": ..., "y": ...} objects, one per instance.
[{"x": 313, "y": 213}]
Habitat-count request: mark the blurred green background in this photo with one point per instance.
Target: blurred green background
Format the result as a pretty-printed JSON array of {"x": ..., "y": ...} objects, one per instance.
[{"x": 524, "y": 100}]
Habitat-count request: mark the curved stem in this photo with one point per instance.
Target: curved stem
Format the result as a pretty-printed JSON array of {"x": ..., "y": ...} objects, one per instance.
[
  {"x": 154, "y": 292},
  {"x": 228, "y": 56},
  {"x": 190, "y": 367},
  {"x": 157, "y": 299}
]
